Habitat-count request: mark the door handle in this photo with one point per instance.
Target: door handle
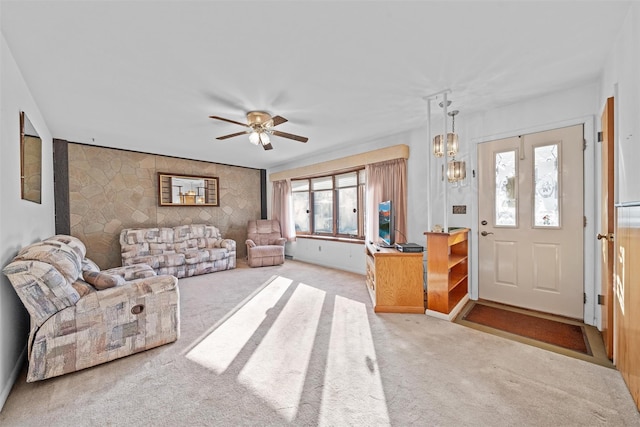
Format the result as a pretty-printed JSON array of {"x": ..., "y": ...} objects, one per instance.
[
  {"x": 485, "y": 233},
  {"x": 608, "y": 236}
]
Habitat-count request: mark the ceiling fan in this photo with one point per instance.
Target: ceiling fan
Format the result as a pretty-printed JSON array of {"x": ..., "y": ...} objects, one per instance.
[{"x": 260, "y": 126}]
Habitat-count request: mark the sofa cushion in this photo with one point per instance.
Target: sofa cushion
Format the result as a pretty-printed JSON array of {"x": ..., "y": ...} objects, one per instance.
[
  {"x": 195, "y": 256},
  {"x": 73, "y": 242},
  {"x": 161, "y": 248},
  {"x": 158, "y": 261},
  {"x": 61, "y": 256},
  {"x": 264, "y": 232},
  {"x": 140, "y": 235},
  {"x": 41, "y": 288},
  {"x": 217, "y": 253},
  {"x": 209, "y": 242},
  {"x": 102, "y": 280},
  {"x": 269, "y": 250},
  {"x": 182, "y": 233},
  {"x": 186, "y": 245},
  {"x": 89, "y": 265}
]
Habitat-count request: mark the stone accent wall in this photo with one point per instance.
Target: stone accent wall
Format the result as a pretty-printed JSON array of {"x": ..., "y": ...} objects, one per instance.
[{"x": 112, "y": 189}]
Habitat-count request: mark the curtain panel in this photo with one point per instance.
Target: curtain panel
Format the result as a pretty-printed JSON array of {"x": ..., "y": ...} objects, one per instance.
[
  {"x": 282, "y": 209},
  {"x": 387, "y": 181}
]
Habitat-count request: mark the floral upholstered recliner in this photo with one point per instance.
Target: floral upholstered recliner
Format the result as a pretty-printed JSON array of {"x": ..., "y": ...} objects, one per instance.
[
  {"x": 81, "y": 316},
  {"x": 182, "y": 251}
]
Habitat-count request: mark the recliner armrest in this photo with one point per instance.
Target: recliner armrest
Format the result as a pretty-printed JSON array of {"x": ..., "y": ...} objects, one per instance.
[
  {"x": 132, "y": 272},
  {"x": 250, "y": 243},
  {"x": 128, "y": 291}
]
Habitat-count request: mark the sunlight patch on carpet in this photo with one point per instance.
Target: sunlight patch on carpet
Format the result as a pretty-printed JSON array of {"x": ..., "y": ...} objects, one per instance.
[
  {"x": 352, "y": 392},
  {"x": 219, "y": 349},
  {"x": 277, "y": 369}
]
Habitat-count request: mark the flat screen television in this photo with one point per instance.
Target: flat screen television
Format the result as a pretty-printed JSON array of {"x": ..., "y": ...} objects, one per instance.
[{"x": 386, "y": 229}]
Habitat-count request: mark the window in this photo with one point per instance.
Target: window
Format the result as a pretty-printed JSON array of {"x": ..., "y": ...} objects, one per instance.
[
  {"x": 300, "y": 198},
  {"x": 330, "y": 205}
]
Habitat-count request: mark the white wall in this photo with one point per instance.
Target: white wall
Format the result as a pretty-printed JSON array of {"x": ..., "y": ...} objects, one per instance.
[
  {"x": 343, "y": 256},
  {"x": 621, "y": 70},
  {"x": 21, "y": 222}
]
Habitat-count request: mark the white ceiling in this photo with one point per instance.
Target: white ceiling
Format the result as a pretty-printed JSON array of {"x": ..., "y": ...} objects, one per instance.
[{"x": 145, "y": 75}]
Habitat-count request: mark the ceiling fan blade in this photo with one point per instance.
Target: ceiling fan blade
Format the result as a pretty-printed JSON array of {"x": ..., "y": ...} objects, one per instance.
[
  {"x": 227, "y": 120},
  {"x": 278, "y": 120},
  {"x": 290, "y": 136},
  {"x": 234, "y": 134},
  {"x": 267, "y": 146}
]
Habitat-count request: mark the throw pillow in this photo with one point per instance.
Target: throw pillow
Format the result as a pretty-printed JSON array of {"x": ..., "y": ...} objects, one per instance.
[
  {"x": 82, "y": 287},
  {"x": 102, "y": 280}
]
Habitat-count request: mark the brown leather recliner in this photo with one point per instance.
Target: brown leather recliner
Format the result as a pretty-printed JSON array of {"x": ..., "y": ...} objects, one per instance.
[{"x": 265, "y": 244}]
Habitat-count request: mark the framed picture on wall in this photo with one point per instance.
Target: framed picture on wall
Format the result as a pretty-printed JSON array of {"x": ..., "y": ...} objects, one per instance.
[{"x": 186, "y": 190}]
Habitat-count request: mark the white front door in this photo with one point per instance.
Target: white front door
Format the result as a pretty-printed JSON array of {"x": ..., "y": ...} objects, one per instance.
[{"x": 531, "y": 221}]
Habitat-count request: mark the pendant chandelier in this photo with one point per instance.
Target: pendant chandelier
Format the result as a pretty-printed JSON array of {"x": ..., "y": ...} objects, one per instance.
[
  {"x": 456, "y": 169},
  {"x": 452, "y": 139}
]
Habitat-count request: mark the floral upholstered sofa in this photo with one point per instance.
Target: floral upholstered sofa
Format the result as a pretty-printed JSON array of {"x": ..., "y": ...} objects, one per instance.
[
  {"x": 181, "y": 251},
  {"x": 81, "y": 316}
]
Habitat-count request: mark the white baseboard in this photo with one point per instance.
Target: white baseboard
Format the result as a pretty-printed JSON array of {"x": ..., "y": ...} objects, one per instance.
[
  {"x": 452, "y": 315},
  {"x": 6, "y": 389}
]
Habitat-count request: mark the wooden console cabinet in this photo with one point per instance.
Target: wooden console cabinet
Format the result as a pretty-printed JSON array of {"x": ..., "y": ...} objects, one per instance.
[
  {"x": 447, "y": 269},
  {"x": 394, "y": 280}
]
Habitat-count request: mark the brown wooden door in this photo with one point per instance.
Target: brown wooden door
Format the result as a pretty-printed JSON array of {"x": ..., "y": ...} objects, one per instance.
[{"x": 607, "y": 227}]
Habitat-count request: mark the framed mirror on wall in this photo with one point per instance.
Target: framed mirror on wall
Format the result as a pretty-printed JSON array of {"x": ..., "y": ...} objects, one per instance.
[
  {"x": 30, "y": 161},
  {"x": 184, "y": 190}
]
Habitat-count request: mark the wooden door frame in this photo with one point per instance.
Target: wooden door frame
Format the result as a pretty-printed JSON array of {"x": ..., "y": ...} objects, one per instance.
[
  {"x": 591, "y": 308},
  {"x": 607, "y": 323}
]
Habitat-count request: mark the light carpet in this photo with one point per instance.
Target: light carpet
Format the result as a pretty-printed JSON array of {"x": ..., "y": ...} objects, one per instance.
[{"x": 299, "y": 344}]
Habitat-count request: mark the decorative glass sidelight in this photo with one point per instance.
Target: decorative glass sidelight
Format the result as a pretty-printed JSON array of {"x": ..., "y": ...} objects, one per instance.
[
  {"x": 546, "y": 211},
  {"x": 506, "y": 189}
]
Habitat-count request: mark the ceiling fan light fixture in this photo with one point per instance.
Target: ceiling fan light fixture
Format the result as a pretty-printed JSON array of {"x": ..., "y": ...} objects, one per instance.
[
  {"x": 260, "y": 124},
  {"x": 264, "y": 138},
  {"x": 254, "y": 138}
]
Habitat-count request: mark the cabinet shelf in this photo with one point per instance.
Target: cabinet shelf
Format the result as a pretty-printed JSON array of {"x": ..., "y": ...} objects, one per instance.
[
  {"x": 455, "y": 280},
  {"x": 455, "y": 259},
  {"x": 447, "y": 270}
]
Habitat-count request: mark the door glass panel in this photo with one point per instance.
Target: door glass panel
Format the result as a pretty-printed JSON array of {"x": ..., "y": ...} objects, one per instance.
[
  {"x": 506, "y": 189},
  {"x": 546, "y": 211}
]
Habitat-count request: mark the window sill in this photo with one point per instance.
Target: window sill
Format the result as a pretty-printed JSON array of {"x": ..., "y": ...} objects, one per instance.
[{"x": 331, "y": 238}]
